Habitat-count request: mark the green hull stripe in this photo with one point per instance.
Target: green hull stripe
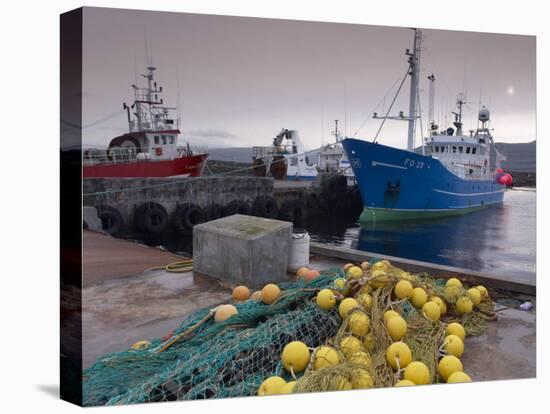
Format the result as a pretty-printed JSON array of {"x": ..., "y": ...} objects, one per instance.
[{"x": 379, "y": 214}]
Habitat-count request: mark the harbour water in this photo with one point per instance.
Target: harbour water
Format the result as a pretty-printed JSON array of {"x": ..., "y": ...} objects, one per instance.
[{"x": 498, "y": 240}]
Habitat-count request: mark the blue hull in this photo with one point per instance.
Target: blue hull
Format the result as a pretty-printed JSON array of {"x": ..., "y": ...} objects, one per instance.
[
  {"x": 399, "y": 184},
  {"x": 301, "y": 178}
]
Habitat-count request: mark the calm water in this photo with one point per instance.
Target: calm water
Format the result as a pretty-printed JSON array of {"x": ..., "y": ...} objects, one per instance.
[
  {"x": 499, "y": 240},
  {"x": 495, "y": 240}
]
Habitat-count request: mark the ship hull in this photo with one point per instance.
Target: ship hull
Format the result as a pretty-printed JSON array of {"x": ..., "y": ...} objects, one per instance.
[
  {"x": 301, "y": 177},
  {"x": 191, "y": 166},
  {"x": 398, "y": 185}
]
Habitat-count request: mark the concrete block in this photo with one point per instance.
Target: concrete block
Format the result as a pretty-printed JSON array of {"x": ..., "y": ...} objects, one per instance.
[
  {"x": 89, "y": 216},
  {"x": 242, "y": 250}
]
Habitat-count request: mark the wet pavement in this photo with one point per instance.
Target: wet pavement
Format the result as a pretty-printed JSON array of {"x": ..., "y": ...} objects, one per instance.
[
  {"x": 105, "y": 257},
  {"x": 124, "y": 302},
  {"x": 506, "y": 351},
  {"x": 120, "y": 312}
]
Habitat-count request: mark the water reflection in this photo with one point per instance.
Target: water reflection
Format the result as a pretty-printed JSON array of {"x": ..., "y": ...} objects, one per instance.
[{"x": 497, "y": 239}]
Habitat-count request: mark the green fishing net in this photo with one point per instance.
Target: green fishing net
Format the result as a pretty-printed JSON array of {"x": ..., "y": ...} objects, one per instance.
[
  {"x": 204, "y": 359},
  {"x": 216, "y": 360}
]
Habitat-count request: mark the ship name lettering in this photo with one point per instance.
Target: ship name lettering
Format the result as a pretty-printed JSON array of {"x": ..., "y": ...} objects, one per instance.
[{"x": 412, "y": 163}]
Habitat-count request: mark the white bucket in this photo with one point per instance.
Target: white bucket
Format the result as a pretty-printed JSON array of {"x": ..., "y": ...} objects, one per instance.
[{"x": 299, "y": 251}]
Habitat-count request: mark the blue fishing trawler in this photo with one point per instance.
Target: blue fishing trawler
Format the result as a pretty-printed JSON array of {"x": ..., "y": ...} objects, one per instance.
[{"x": 451, "y": 173}]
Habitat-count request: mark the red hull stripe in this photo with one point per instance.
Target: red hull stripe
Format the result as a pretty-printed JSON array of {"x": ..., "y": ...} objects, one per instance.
[
  {"x": 166, "y": 131},
  {"x": 187, "y": 166}
]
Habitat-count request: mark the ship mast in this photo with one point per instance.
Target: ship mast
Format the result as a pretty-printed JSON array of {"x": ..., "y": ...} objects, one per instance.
[
  {"x": 336, "y": 133},
  {"x": 413, "y": 72},
  {"x": 414, "y": 69}
]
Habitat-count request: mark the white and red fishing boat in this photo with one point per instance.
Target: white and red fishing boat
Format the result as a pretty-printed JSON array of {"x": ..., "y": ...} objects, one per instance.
[{"x": 150, "y": 148}]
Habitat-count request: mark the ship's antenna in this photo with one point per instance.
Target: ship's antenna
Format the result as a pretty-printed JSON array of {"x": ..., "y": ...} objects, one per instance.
[
  {"x": 420, "y": 120},
  {"x": 345, "y": 113},
  {"x": 147, "y": 61},
  {"x": 135, "y": 70},
  {"x": 336, "y": 133},
  {"x": 479, "y": 107},
  {"x": 322, "y": 125},
  {"x": 431, "y": 97},
  {"x": 179, "y": 98},
  {"x": 414, "y": 68}
]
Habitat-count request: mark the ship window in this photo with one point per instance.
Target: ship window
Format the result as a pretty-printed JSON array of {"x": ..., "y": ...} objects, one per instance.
[
  {"x": 461, "y": 149},
  {"x": 163, "y": 139},
  {"x": 474, "y": 150},
  {"x": 468, "y": 150},
  {"x": 156, "y": 139},
  {"x": 454, "y": 150},
  {"x": 171, "y": 139}
]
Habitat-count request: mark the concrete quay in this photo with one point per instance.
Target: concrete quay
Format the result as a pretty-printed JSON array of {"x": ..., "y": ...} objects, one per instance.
[{"x": 128, "y": 302}]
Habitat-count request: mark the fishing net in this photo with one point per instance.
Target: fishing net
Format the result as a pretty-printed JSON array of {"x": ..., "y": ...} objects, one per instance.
[
  {"x": 204, "y": 359},
  {"x": 424, "y": 337},
  {"x": 215, "y": 360}
]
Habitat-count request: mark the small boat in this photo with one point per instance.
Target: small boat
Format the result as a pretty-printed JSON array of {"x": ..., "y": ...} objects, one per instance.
[
  {"x": 451, "y": 173},
  {"x": 333, "y": 159},
  {"x": 285, "y": 159},
  {"x": 150, "y": 148}
]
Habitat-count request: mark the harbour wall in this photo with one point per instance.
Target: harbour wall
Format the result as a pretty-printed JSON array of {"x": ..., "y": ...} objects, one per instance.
[
  {"x": 127, "y": 194},
  {"x": 121, "y": 202}
]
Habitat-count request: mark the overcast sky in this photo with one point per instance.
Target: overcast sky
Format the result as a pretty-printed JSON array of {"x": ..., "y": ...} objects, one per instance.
[{"x": 243, "y": 79}]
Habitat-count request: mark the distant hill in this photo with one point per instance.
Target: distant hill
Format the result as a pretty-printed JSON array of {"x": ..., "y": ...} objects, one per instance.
[
  {"x": 521, "y": 157},
  {"x": 241, "y": 154},
  {"x": 234, "y": 154}
]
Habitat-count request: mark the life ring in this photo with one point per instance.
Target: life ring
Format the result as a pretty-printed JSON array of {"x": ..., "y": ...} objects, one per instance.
[
  {"x": 151, "y": 218},
  {"x": 265, "y": 206},
  {"x": 187, "y": 216},
  {"x": 111, "y": 219},
  {"x": 236, "y": 207},
  {"x": 292, "y": 211}
]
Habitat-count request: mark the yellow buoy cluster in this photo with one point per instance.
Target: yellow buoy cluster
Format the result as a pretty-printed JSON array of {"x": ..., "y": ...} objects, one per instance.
[{"x": 390, "y": 296}]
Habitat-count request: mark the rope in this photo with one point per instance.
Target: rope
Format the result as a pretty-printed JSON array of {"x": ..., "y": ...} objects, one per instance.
[
  {"x": 391, "y": 106},
  {"x": 176, "y": 267},
  {"x": 376, "y": 107}
]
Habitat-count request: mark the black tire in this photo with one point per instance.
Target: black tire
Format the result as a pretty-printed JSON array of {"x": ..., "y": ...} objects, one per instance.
[
  {"x": 111, "y": 219},
  {"x": 187, "y": 216},
  {"x": 341, "y": 183},
  {"x": 312, "y": 200},
  {"x": 329, "y": 202},
  {"x": 292, "y": 211},
  {"x": 214, "y": 211},
  {"x": 236, "y": 207},
  {"x": 151, "y": 218},
  {"x": 336, "y": 185},
  {"x": 323, "y": 202},
  {"x": 265, "y": 206}
]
